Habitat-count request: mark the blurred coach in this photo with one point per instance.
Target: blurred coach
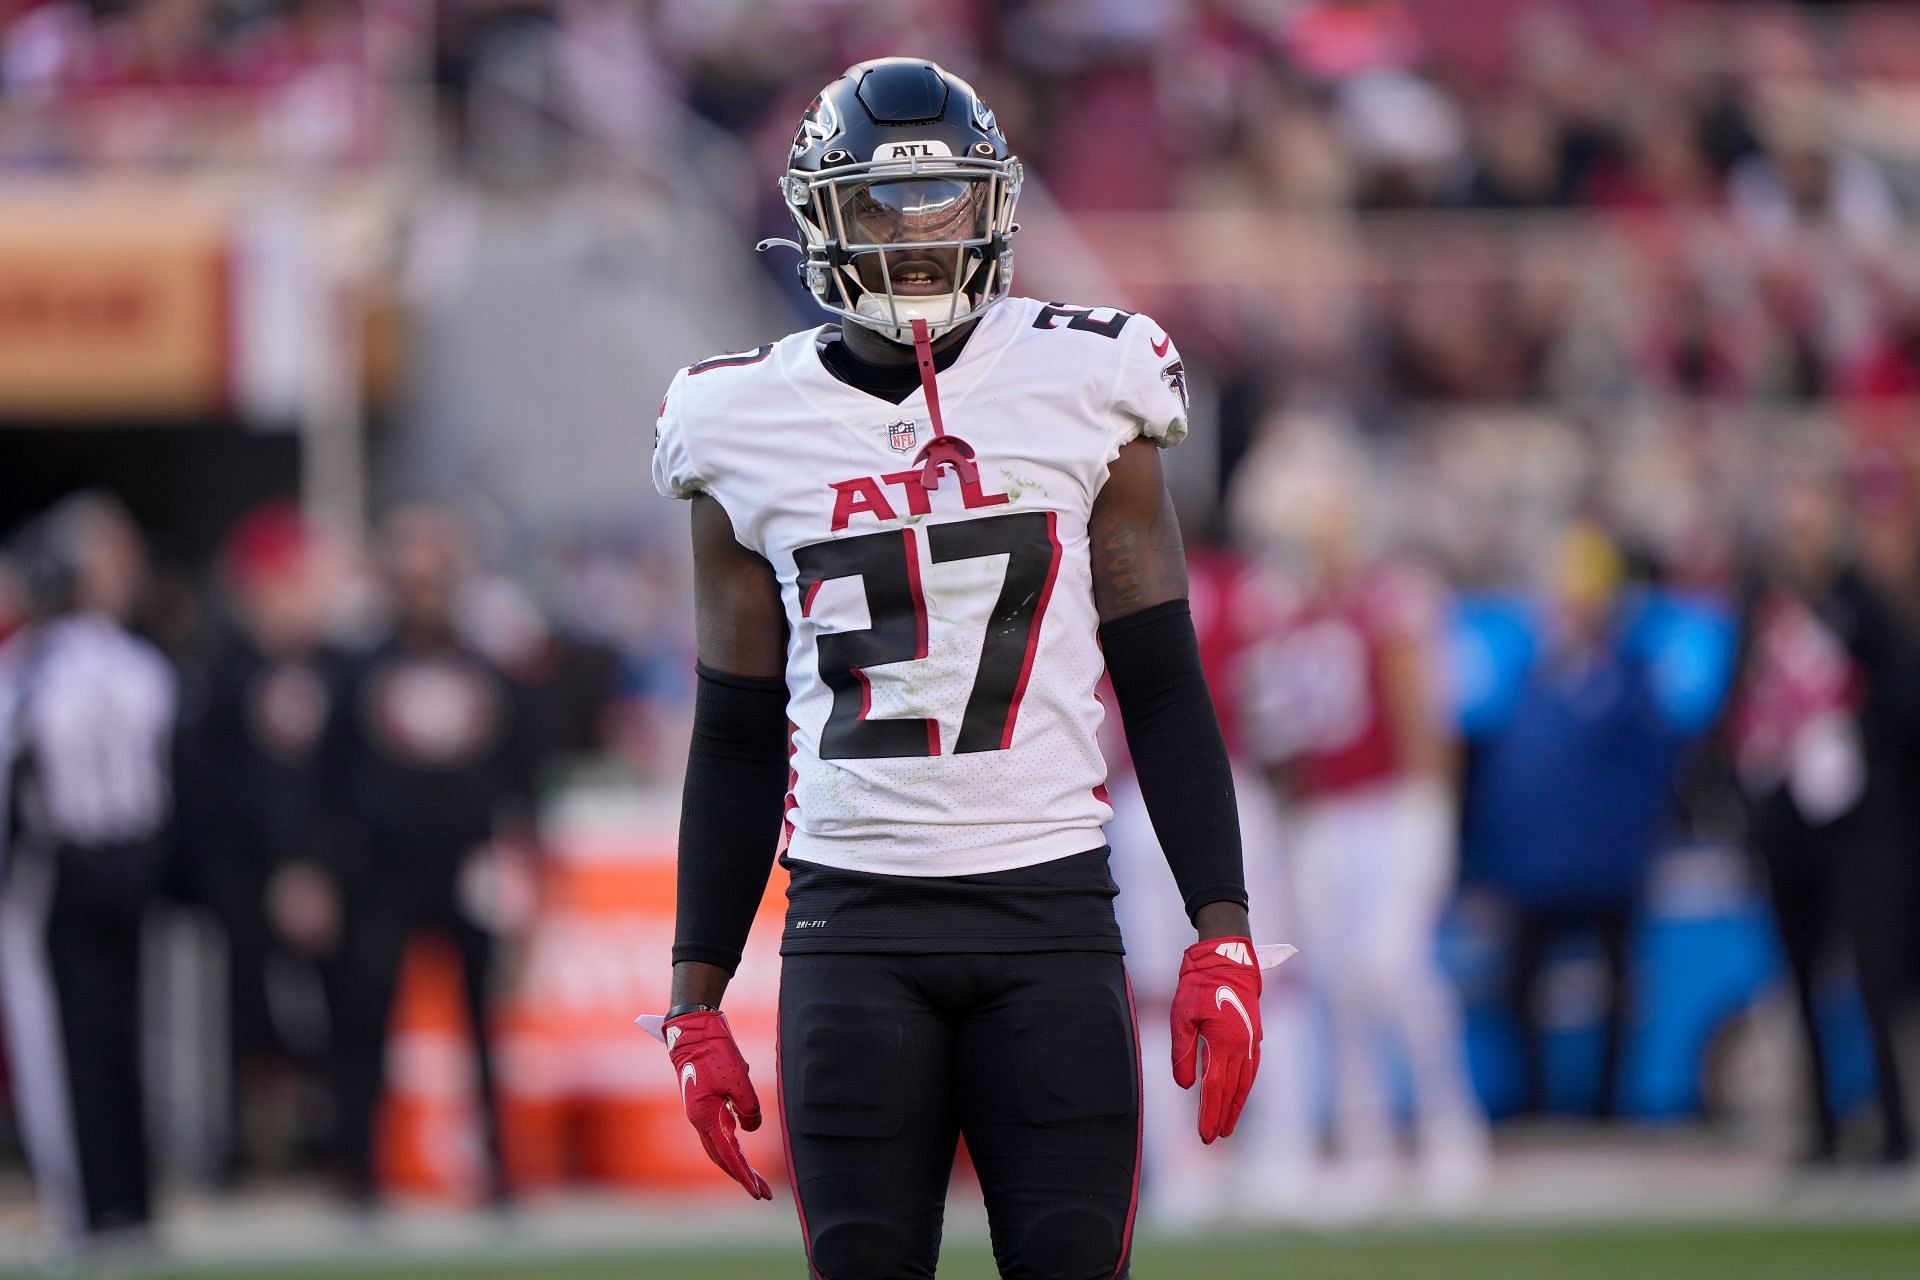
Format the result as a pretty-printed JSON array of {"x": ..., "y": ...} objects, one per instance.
[
  {"x": 424, "y": 773},
  {"x": 86, "y": 725},
  {"x": 244, "y": 792}
]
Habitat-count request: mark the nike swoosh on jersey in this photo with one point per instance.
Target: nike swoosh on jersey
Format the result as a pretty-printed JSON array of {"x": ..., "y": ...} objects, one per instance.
[
  {"x": 1225, "y": 996},
  {"x": 689, "y": 1076},
  {"x": 1160, "y": 346}
]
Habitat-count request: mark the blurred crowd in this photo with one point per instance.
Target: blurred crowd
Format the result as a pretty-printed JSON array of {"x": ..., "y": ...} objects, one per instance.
[
  {"x": 345, "y": 755},
  {"x": 1601, "y": 310},
  {"x": 1621, "y": 218},
  {"x": 1652, "y": 231}
]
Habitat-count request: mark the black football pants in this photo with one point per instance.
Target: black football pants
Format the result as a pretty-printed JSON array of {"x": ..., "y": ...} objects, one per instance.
[
  {"x": 70, "y": 969},
  {"x": 886, "y": 1060},
  {"x": 1847, "y": 882},
  {"x": 1536, "y": 933},
  {"x": 365, "y": 977}
]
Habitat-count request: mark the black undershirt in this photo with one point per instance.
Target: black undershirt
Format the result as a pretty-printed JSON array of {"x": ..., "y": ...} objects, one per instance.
[
  {"x": 893, "y": 382},
  {"x": 1062, "y": 905}
]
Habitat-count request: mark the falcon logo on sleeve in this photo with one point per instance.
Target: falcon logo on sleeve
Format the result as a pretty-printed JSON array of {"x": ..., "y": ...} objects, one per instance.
[{"x": 1175, "y": 376}]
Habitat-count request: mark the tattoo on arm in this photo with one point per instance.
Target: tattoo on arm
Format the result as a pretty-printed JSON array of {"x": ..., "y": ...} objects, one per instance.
[
  {"x": 1118, "y": 564},
  {"x": 1138, "y": 563}
]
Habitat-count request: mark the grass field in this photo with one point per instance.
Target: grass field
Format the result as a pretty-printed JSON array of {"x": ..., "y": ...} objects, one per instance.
[{"x": 1881, "y": 1252}]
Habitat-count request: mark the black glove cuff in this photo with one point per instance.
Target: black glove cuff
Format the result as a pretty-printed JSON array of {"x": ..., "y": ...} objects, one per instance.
[{"x": 682, "y": 1010}]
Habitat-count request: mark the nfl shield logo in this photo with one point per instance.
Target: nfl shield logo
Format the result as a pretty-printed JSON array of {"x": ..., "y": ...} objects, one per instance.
[{"x": 900, "y": 436}]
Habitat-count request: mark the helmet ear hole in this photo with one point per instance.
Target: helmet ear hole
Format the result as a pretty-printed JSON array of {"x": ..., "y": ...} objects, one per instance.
[{"x": 983, "y": 149}]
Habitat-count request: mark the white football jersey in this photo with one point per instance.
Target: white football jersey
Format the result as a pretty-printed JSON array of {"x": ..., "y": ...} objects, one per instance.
[
  {"x": 95, "y": 707},
  {"x": 942, "y": 653}
]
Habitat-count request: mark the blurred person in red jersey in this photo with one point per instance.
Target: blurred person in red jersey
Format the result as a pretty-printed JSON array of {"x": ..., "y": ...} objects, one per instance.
[
  {"x": 1820, "y": 735},
  {"x": 1269, "y": 1174},
  {"x": 424, "y": 780},
  {"x": 86, "y": 729},
  {"x": 1345, "y": 707},
  {"x": 245, "y": 788}
]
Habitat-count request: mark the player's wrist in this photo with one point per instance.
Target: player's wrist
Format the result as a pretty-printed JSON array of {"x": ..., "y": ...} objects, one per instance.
[
  {"x": 1222, "y": 920},
  {"x": 696, "y": 982}
]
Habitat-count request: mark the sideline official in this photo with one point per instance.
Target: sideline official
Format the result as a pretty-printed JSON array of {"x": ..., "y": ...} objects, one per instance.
[{"x": 86, "y": 724}]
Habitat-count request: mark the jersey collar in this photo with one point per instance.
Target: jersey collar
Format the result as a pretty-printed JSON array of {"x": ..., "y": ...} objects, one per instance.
[{"x": 800, "y": 363}]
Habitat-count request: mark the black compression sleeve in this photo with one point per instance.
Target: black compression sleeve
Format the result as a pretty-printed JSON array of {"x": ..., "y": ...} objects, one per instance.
[
  {"x": 1153, "y": 659},
  {"x": 730, "y": 813}
]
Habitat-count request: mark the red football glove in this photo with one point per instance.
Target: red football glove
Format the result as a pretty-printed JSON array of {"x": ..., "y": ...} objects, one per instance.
[
  {"x": 1217, "y": 1008},
  {"x": 714, "y": 1089}
]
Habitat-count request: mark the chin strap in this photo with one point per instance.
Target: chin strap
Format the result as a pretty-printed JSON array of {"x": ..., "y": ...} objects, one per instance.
[
  {"x": 943, "y": 450},
  {"x": 923, "y": 352}
]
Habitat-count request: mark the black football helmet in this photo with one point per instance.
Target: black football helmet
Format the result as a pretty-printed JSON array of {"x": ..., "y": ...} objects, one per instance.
[{"x": 903, "y": 190}]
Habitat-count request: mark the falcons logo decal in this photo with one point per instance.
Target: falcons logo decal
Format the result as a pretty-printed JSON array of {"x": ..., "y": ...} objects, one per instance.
[
  {"x": 1175, "y": 376},
  {"x": 983, "y": 117},
  {"x": 821, "y": 123}
]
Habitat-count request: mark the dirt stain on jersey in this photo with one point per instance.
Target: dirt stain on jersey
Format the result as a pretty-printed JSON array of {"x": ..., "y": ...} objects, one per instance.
[{"x": 1014, "y": 484}]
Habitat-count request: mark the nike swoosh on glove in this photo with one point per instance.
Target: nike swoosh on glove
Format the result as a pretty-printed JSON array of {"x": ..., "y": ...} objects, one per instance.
[
  {"x": 715, "y": 1090},
  {"x": 1216, "y": 1029}
]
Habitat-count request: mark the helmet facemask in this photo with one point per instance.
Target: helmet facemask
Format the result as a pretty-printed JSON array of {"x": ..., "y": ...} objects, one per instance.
[{"x": 888, "y": 243}]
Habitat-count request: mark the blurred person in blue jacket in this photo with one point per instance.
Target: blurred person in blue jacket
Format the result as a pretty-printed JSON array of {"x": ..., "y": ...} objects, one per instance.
[{"x": 1568, "y": 796}]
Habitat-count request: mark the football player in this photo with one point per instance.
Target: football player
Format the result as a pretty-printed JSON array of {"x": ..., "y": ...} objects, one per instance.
[
  {"x": 1347, "y": 709},
  {"x": 920, "y": 536}
]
